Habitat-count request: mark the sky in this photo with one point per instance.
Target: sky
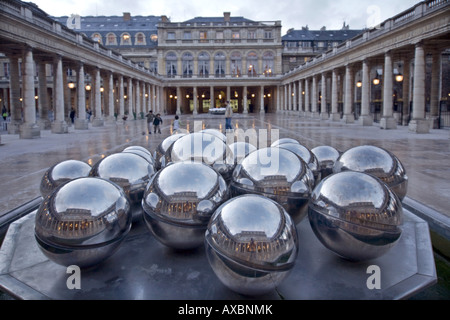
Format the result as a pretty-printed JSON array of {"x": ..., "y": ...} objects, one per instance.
[{"x": 315, "y": 14}]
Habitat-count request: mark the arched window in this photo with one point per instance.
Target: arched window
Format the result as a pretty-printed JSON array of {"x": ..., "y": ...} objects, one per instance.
[
  {"x": 97, "y": 37},
  {"x": 125, "y": 39},
  {"x": 140, "y": 39},
  {"x": 203, "y": 64},
  {"x": 252, "y": 63},
  {"x": 171, "y": 64},
  {"x": 188, "y": 65},
  {"x": 268, "y": 63},
  {"x": 236, "y": 64},
  {"x": 111, "y": 39},
  {"x": 219, "y": 64}
]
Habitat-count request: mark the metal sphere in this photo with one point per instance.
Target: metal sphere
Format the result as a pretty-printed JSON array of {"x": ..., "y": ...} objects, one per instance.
[
  {"x": 251, "y": 244},
  {"x": 306, "y": 154},
  {"x": 355, "y": 215},
  {"x": 283, "y": 141},
  {"x": 61, "y": 173},
  {"x": 326, "y": 157},
  {"x": 179, "y": 202},
  {"x": 146, "y": 155},
  {"x": 128, "y": 170},
  {"x": 83, "y": 222},
  {"x": 162, "y": 149},
  {"x": 216, "y": 133},
  {"x": 378, "y": 162},
  {"x": 241, "y": 150},
  {"x": 203, "y": 147},
  {"x": 278, "y": 174}
]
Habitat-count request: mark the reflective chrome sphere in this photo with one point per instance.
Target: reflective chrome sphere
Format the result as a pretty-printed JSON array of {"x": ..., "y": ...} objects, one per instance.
[
  {"x": 378, "y": 162},
  {"x": 216, "y": 133},
  {"x": 355, "y": 215},
  {"x": 128, "y": 170},
  {"x": 162, "y": 148},
  {"x": 203, "y": 147},
  {"x": 251, "y": 244},
  {"x": 61, "y": 173},
  {"x": 141, "y": 151},
  {"x": 307, "y": 156},
  {"x": 278, "y": 174},
  {"x": 180, "y": 200},
  {"x": 326, "y": 157},
  {"x": 241, "y": 150},
  {"x": 82, "y": 222},
  {"x": 283, "y": 141}
]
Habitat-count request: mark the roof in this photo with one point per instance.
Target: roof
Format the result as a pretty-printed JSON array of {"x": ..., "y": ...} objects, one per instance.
[
  {"x": 217, "y": 20},
  {"x": 320, "y": 35}
]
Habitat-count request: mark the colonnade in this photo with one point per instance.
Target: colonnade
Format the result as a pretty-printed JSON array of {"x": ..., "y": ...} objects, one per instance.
[
  {"x": 109, "y": 96},
  {"x": 332, "y": 94}
]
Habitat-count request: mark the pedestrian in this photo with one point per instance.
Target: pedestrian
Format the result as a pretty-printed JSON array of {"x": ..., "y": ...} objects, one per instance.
[
  {"x": 176, "y": 124},
  {"x": 88, "y": 114},
  {"x": 72, "y": 115},
  {"x": 150, "y": 117},
  {"x": 228, "y": 115},
  {"x": 4, "y": 113},
  {"x": 157, "y": 122}
]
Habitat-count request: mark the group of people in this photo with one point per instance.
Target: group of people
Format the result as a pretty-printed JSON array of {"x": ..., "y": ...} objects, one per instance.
[{"x": 154, "y": 121}]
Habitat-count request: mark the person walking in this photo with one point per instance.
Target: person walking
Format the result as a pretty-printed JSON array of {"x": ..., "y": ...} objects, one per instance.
[
  {"x": 72, "y": 115},
  {"x": 157, "y": 122},
  {"x": 176, "y": 124},
  {"x": 150, "y": 117},
  {"x": 228, "y": 115}
]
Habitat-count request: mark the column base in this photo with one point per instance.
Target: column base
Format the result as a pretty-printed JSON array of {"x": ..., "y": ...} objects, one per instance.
[
  {"x": 60, "y": 127},
  {"x": 419, "y": 126},
  {"x": 315, "y": 115},
  {"x": 98, "y": 122},
  {"x": 365, "y": 121},
  {"x": 388, "y": 123},
  {"x": 81, "y": 124},
  {"x": 44, "y": 124},
  {"x": 335, "y": 117},
  {"x": 324, "y": 116},
  {"x": 434, "y": 122},
  {"x": 14, "y": 127},
  {"x": 29, "y": 131},
  {"x": 110, "y": 120},
  {"x": 348, "y": 118},
  {"x": 405, "y": 120}
]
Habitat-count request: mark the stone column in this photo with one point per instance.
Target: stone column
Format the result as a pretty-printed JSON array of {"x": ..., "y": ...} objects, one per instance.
[
  {"x": 98, "y": 118},
  {"x": 67, "y": 98},
  {"x": 228, "y": 98},
  {"x": 335, "y": 116},
  {"x": 245, "y": 101},
  {"x": 300, "y": 97},
  {"x": 154, "y": 104},
  {"x": 59, "y": 124},
  {"x": 44, "y": 121},
  {"x": 294, "y": 96},
  {"x": 178, "y": 112},
  {"x": 387, "y": 120},
  {"x": 211, "y": 94},
  {"x": 138, "y": 99},
  {"x": 366, "y": 118},
  {"x": 419, "y": 124},
  {"x": 323, "y": 105},
  {"x": 307, "y": 100},
  {"x": 195, "y": 93},
  {"x": 348, "y": 117},
  {"x": 28, "y": 129},
  {"x": 14, "y": 92},
  {"x": 130, "y": 105},
  {"x": 314, "y": 98},
  {"x": 81, "y": 122},
  {"x": 435, "y": 89},
  {"x": 109, "y": 95},
  {"x": 289, "y": 97},
  {"x": 406, "y": 90},
  {"x": 261, "y": 100}
]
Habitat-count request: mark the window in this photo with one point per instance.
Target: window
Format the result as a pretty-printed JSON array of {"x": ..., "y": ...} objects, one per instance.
[
  {"x": 188, "y": 66},
  {"x": 97, "y": 37},
  {"x": 219, "y": 35},
  {"x": 171, "y": 64},
  {"x": 235, "y": 35},
  {"x": 252, "y": 60},
  {"x": 187, "y": 35},
  {"x": 251, "y": 35},
  {"x": 236, "y": 64},
  {"x": 140, "y": 39},
  {"x": 111, "y": 39},
  {"x": 170, "y": 35},
  {"x": 268, "y": 34},
  {"x": 219, "y": 64},
  {"x": 203, "y": 36},
  {"x": 268, "y": 63},
  {"x": 125, "y": 39},
  {"x": 6, "y": 69},
  {"x": 203, "y": 64}
]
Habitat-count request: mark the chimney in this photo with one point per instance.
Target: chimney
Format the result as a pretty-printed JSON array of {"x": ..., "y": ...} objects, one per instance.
[
  {"x": 226, "y": 16},
  {"x": 126, "y": 16},
  {"x": 164, "y": 19}
]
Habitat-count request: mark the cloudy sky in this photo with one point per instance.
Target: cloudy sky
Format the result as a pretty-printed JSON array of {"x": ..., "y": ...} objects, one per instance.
[{"x": 292, "y": 13}]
